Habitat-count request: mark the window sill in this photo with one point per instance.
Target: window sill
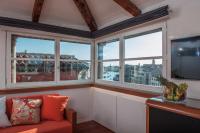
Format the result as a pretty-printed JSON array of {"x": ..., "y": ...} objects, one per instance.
[
  {"x": 25, "y": 85},
  {"x": 45, "y": 86},
  {"x": 124, "y": 90},
  {"x": 128, "y": 90}
]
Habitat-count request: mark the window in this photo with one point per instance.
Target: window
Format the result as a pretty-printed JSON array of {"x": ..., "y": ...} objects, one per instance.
[
  {"x": 108, "y": 60},
  {"x": 32, "y": 59},
  {"x": 143, "y": 58},
  {"x": 133, "y": 59},
  {"x": 36, "y": 59},
  {"x": 75, "y": 61}
]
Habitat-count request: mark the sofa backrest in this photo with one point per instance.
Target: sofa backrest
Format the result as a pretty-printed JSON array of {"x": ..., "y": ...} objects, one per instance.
[{"x": 9, "y": 102}]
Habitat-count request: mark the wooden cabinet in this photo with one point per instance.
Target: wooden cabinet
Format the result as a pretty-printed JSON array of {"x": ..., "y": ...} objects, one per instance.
[
  {"x": 163, "y": 117},
  {"x": 131, "y": 115},
  {"x": 119, "y": 112}
]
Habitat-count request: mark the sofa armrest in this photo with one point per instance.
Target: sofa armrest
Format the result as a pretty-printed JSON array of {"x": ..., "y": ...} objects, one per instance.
[{"x": 71, "y": 116}]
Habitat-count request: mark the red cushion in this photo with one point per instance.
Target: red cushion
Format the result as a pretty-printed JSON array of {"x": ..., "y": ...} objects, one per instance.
[
  {"x": 43, "y": 127},
  {"x": 53, "y": 107},
  {"x": 9, "y": 102}
]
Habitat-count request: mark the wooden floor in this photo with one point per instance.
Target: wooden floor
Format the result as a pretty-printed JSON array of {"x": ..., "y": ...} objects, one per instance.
[{"x": 92, "y": 127}]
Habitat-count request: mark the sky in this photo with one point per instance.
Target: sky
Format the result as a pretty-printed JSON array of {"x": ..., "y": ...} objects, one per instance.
[
  {"x": 81, "y": 51},
  {"x": 35, "y": 45},
  {"x": 110, "y": 50},
  {"x": 141, "y": 46},
  {"x": 144, "y": 46},
  {"x": 48, "y": 47}
]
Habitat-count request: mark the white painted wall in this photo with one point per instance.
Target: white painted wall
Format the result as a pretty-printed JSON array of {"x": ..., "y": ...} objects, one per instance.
[{"x": 184, "y": 21}]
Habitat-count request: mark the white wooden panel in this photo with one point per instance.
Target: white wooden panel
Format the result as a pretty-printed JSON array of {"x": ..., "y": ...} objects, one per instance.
[
  {"x": 131, "y": 116},
  {"x": 105, "y": 109},
  {"x": 81, "y": 101}
]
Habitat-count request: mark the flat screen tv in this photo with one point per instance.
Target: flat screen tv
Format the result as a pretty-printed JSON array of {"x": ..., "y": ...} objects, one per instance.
[{"x": 185, "y": 58}]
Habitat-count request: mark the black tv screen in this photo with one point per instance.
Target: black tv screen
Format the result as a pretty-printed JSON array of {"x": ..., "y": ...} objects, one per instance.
[{"x": 185, "y": 58}]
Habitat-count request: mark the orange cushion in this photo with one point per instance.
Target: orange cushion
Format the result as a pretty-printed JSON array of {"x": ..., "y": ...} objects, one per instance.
[
  {"x": 43, "y": 127},
  {"x": 9, "y": 103},
  {"x": 53, "y": 107}
]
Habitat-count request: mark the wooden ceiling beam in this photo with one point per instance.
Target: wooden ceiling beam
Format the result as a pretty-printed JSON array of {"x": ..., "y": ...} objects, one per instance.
[
  {"x": 129, "y": 7},
  {"x": 86, "y": 14},
  {"x": 37, "y": 9}
]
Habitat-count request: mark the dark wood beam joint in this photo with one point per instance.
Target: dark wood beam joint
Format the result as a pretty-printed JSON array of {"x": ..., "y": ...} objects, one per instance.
[
  {"x": 86, "y": 14},
  {"x": 129, "y": 7},
  {"x": 37, "y": 9}
]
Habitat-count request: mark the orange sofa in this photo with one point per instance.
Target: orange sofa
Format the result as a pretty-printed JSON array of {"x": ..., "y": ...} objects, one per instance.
[{"x": 68, "y": 125}]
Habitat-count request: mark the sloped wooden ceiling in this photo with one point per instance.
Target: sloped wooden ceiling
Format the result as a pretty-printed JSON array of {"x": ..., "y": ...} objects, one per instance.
[
  {"x": 86, "y": 12},
  {"x": 73, "y": 17},
  {"x": 89, "y": 19},
  {"x": 65, "y": 13}
]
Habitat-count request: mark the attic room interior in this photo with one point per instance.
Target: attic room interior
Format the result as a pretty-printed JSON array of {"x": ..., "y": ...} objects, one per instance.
[{"x": 99, "y": 66}]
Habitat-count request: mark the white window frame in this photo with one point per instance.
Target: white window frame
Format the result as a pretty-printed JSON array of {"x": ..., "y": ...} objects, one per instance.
[
  {"x": 121, "y": 35},
  {"x": 91, "y": 62},
  {"x": 108, "y": 60},
  {"x": 56, "y": 81},
  {"x": 141, "y": 58}
]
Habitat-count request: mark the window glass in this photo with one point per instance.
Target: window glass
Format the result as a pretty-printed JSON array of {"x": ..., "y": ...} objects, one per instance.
[
  {"x": 24, "y": 47},
  {"x": 144, "y": 46},
  {"x": 108, "y": 60},
  {"x": 75, "y": 61},
  {"x": 143, "y": 71},
  {"x": 108, "y": 50},
  {"x": 33, "y": 59},
  {"x": 74, "y": 70},
  {"x": 143, "y": 58},
  {"x": 32, "y": 71},
  {"x": 108, "y": 71},
  {"x": 75, "y": 51}
]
